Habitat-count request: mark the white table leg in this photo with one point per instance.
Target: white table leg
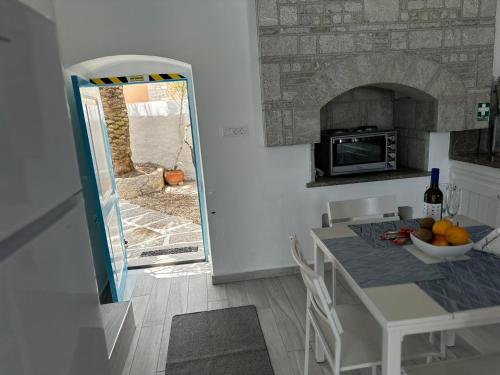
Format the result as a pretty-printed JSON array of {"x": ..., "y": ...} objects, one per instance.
[
  {"x": 334, "y": 283},
  {"x": 449, "y": 338},
  {"x": 391, "y": 353},
  {"x": 319, "y": 267}
]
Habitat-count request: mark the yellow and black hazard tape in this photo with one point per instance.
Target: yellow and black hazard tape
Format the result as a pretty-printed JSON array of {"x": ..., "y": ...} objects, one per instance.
[
  {"x": 165, "y": 77},
  {"x": 136, "y": 78},
  {"x": 108, "y": 80}
]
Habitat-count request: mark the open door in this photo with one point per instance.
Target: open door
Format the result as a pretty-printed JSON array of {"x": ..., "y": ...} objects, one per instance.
[{"x": 100, "y": 185}]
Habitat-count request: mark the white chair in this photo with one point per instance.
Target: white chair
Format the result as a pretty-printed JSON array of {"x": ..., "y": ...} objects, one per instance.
[
  {"x": 481, "y": 365},
  {"x": 350, "y": 336},
  {"x": 363, "y": 209}
]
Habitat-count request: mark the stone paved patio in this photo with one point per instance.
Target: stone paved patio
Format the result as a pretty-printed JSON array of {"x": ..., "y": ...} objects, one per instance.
[{"x": 146, "y": 229}]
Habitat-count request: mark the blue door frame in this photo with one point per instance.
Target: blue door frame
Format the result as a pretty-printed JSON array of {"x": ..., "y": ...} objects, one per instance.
[
  {"x": 198, "y": 167},
  {"x": 122, "y": 81},
  {"x": 94, "y": 209}
]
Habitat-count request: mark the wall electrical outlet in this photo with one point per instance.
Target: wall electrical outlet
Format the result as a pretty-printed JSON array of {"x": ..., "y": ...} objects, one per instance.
[{"x": 234, "y": 132}]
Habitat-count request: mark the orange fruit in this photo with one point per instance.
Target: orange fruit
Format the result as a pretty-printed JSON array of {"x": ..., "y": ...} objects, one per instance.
[
  {"x": 439, "y": 240},
  {"x": 441, "y": 226},
  {"x": 457, "y": 236}
]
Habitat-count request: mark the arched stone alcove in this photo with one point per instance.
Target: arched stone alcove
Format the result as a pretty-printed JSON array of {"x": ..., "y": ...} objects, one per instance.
[
  {"x": 399, "y": 71},
  {"x": 409, "y": 111}
]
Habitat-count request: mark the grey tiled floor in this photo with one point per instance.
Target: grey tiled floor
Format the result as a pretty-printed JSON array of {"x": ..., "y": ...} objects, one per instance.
[{"x": 160, "y": 293}]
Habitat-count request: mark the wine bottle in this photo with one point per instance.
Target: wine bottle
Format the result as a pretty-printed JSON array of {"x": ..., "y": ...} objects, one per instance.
[{"x": 433, "y": 198}]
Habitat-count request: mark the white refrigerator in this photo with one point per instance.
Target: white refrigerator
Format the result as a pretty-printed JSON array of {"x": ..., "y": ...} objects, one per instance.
[{"x": 50, "y": 320}]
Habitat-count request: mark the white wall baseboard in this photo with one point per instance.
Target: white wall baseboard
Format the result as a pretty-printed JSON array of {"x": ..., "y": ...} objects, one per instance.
[{"x": 259, "y": 274}]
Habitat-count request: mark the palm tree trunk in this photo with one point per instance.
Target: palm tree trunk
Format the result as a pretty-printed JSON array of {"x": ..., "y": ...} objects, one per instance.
[{"x": 116, "y": 117}]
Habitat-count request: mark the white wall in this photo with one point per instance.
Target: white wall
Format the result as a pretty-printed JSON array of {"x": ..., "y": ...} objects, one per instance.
[
  {"x": 258, "y": 194},
  {"x": 439, "y": 145},
  {"x": 43, "y": 7},
  {"x": 157, "y": 139}
]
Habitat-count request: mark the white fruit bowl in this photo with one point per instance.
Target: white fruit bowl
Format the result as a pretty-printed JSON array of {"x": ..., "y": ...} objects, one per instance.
[{"x": 441, "y": 251}]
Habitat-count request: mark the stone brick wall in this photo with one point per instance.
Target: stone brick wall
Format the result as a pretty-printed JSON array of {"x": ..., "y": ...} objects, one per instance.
[
  {"x": 303, "y": 42},
  {"x": 410, "y": 112},
  {"x": 359, "y": 107},
  {"x": 414, "y": 119}
]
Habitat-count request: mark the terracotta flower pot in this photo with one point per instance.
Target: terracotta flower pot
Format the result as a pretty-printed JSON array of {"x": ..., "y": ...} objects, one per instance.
[{"x": 174, "y": 177}]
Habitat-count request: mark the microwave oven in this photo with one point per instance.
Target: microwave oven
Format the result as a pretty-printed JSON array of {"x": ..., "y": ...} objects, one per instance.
[{"x": 341, "y": 152}]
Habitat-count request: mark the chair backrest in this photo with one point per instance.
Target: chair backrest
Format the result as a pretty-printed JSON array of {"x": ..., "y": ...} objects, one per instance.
[
  {"x": 362, "y": 209},
  {"x": 318, "y": 297}
]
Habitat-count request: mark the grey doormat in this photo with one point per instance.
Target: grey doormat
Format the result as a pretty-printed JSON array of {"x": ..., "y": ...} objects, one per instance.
[
  {"x": 218, "y": 342},
  {"x": 173, "y": 250}
]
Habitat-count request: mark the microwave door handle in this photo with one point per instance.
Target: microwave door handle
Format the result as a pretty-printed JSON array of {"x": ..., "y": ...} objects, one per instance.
[{"x": 342, "y": 140}]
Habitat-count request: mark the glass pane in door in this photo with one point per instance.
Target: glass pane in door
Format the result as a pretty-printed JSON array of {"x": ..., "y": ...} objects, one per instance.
[
  {"x": 361, "y": 150},
  {"x": 115, "y": 243},
  {"x": 104, "y": 174}
]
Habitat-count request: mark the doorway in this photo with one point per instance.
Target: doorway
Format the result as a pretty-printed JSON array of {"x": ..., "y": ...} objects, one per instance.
[
  {"x": 173, "y": 216},
  {"x": 151, "y": 144}
]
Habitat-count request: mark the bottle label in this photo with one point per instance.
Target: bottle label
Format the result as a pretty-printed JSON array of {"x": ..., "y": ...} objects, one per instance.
[{"x": 433, "y": 210}]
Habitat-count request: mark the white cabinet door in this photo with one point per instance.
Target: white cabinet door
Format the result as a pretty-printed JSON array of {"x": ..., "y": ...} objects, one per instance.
[
  {"x": 37, "y": 153},
  {"x": 480, "y": 191},
  {"x": 50, "y": 320}
]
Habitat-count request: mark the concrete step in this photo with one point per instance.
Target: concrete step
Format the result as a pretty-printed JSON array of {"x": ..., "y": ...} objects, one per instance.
[{"x": 119, "y": 328}]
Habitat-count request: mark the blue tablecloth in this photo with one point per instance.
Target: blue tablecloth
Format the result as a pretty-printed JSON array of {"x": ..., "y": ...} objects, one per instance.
[
  {"x": 468, "y": 284},
  {"x": 371, "y": 232},
  {"x": 371, "y": 266},
  {"x": 457, "y": 285}
]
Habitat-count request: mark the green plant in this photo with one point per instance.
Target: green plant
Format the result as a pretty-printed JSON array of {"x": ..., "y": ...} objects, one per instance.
[
  {"x": 177, "y": 165},
  {"x": 178, "y": 91}
]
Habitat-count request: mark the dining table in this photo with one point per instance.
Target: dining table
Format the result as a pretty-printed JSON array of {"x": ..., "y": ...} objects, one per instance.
[{"x": 407, "y": 291}]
